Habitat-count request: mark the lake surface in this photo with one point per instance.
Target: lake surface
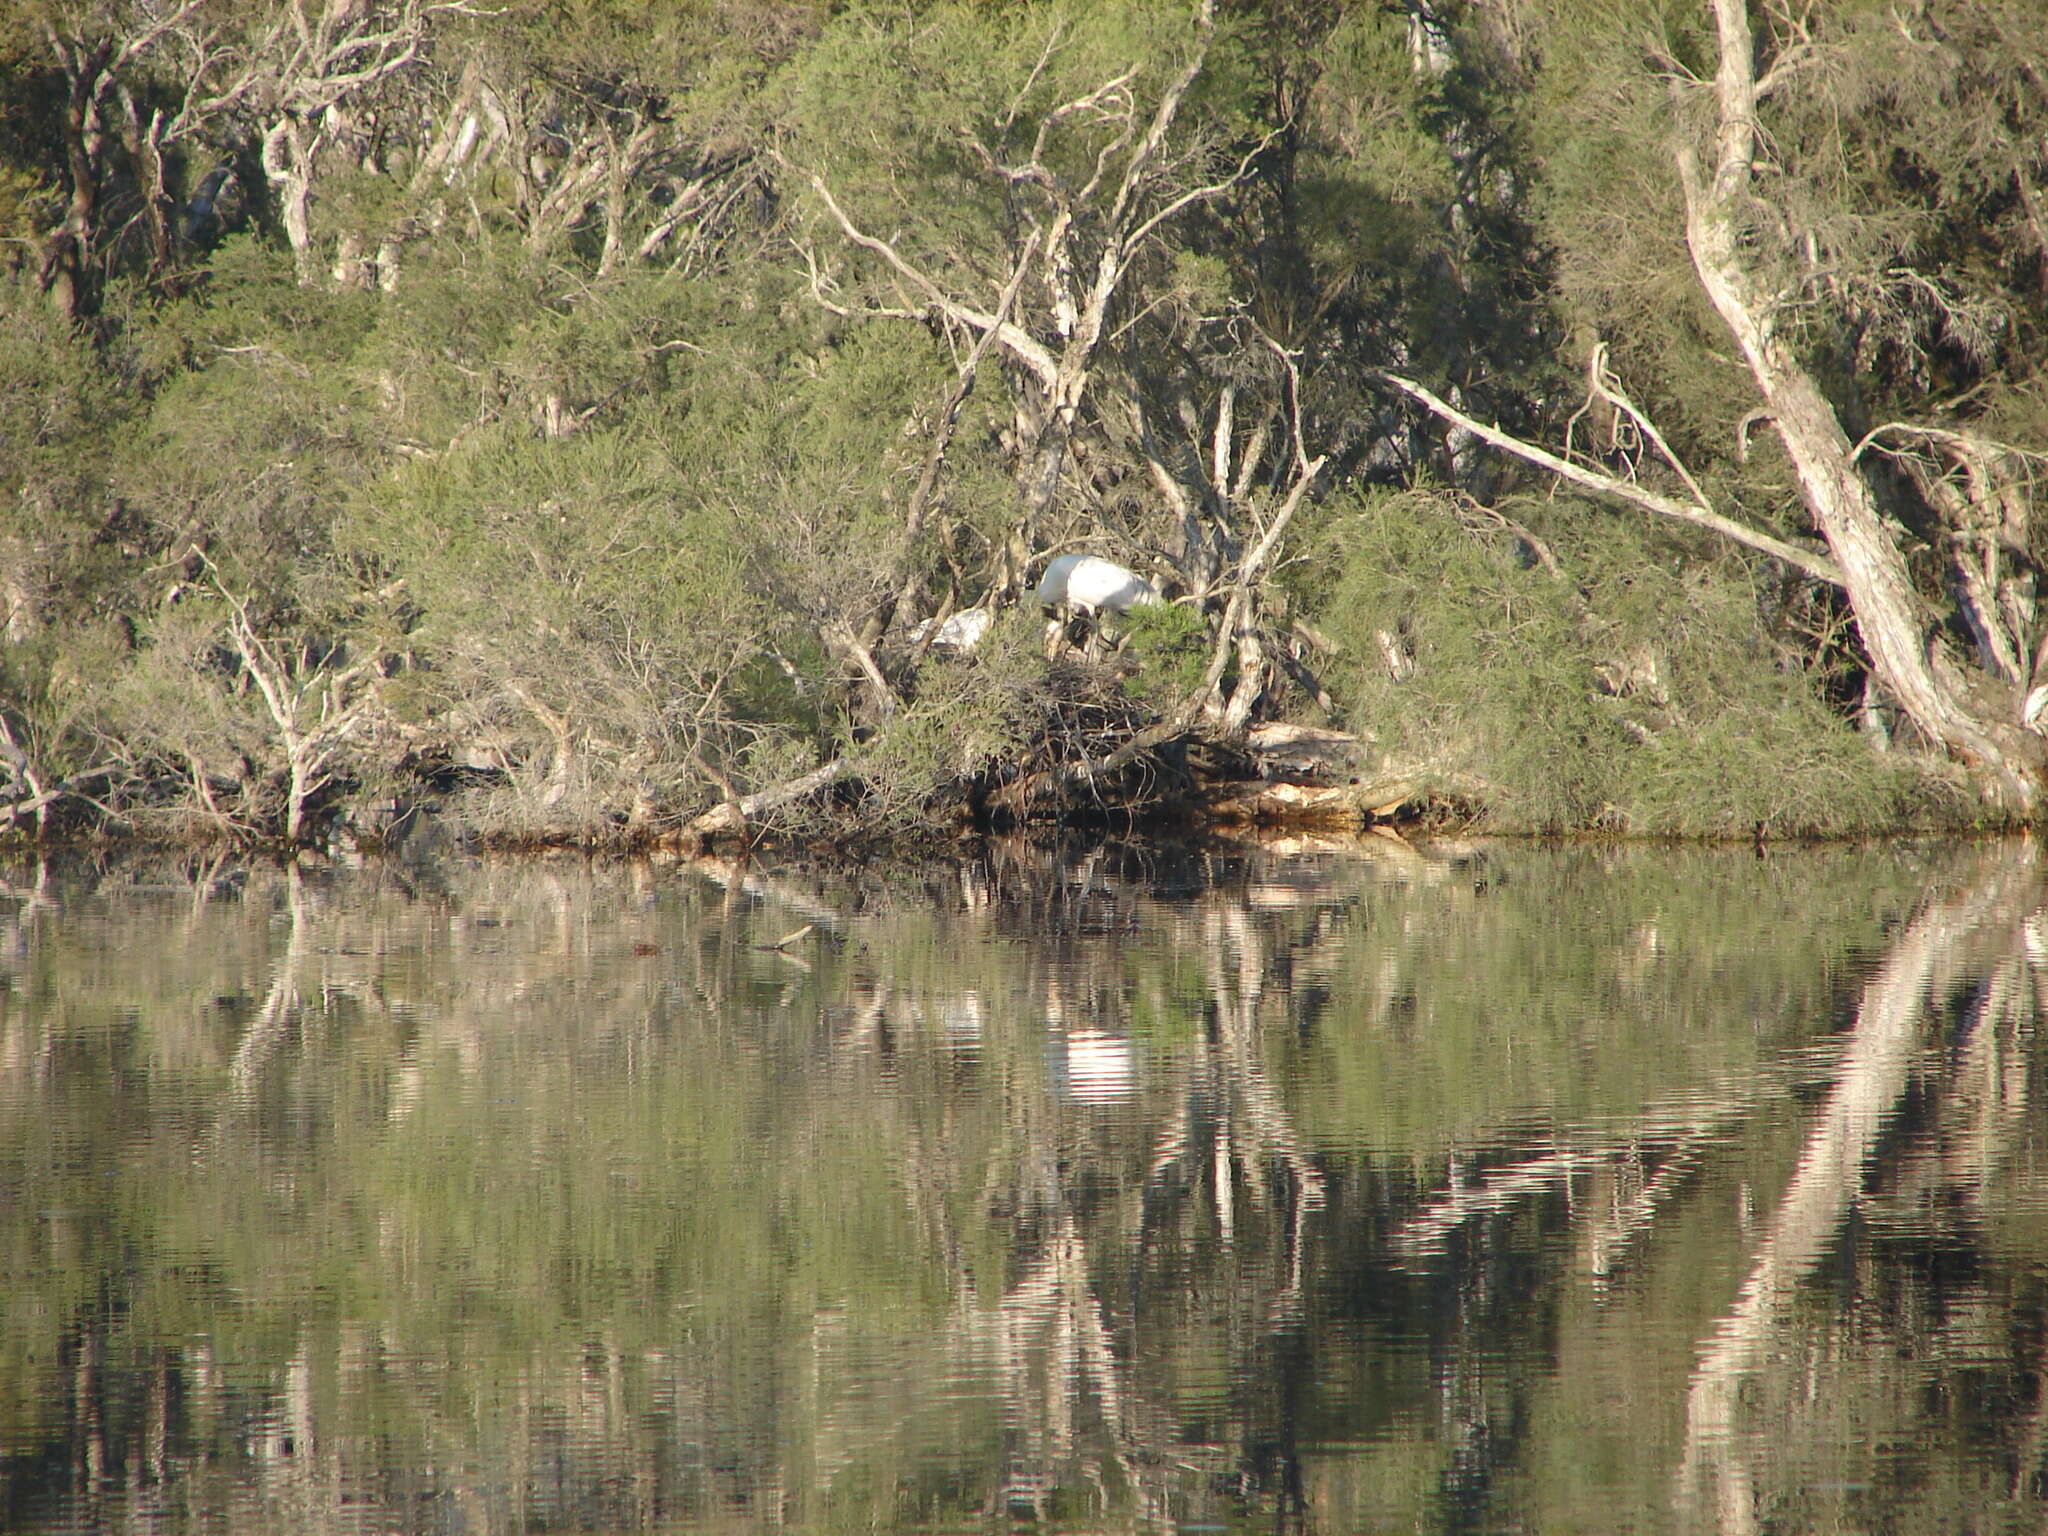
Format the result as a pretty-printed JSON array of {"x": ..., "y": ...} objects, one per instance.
[{"x": 1435, "y": 1188}]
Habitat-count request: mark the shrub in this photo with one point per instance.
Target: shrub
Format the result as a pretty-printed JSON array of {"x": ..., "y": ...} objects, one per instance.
[{"x": 1582, "y": 670}]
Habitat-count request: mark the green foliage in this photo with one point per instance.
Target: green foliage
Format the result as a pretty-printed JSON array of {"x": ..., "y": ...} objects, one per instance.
[
  {"x": 570, "y": 602},
  {"x": 183, "y": 695},
  {"x": 58, "y": 409},
  {"x": 246, "y": 459},
  {"x": 1893, "y": 234},
  {"x": 1583, "y": 672},
  {"x": 969, "y": 719},
  {"x": 1171, "y": 645},
  {"x": 606, "y": 457}
]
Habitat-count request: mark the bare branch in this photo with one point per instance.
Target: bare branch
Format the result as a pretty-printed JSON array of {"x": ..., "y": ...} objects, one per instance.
[
  {"x": 1239, "y": 623},
  {"x": 1162, "y": 118},
  {"x": 1287, "y": 362},
  {"x": 735, "y": 814},
  {"x": 935, "y": 456},
  {"x": 1820, "y": 567},
  {"x": 832, "y": 306},
  {"x": 1968, "y": 442},
  {"x": 1195, "y": 195},
  {"x": 1052, "y": 44},
  {"x": 1019, "y": 342},
  {"x": 1109, "y": 150},
  {"x": 1603, "y": 384},
  {"x": 840, "y": 638},
  {"x": 147, "y": 36}
]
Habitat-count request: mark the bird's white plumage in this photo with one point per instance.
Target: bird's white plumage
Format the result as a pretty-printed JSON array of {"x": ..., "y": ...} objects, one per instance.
[
  {"x": 1094, "y": 584},
  {"x": 962, "y": 631}
]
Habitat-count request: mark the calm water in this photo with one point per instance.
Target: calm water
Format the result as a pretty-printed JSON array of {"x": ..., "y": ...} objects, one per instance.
[{"x": 1421, "y": 1189}]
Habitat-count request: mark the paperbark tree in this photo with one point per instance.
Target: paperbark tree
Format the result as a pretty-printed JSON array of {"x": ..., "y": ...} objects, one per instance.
[
  {"x": 1723, "y": 209},
  {"x": 314, "y": 709},
  {"x": 1845, "y": 191},
  {"x": 1077, "y": 242},
  {"x": 1090, "y": 200},
  {"x": 316, "y": 70},
  {"x": 99, "y": 53},
  {"x": 149, "y": 84}
]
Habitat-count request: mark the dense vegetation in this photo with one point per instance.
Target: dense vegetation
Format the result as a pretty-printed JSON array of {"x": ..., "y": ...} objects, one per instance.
[{"x": 584, "y": 412}]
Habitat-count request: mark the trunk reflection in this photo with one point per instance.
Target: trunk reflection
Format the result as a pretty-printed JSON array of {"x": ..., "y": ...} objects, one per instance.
[{"x": 1107, "y": 1188}]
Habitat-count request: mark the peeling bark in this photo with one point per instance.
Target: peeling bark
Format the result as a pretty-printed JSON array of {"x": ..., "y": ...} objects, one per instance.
[{"x": 1718, "y": 199}]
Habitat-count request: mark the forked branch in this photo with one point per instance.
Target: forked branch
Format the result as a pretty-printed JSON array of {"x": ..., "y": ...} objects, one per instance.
[{"x": 1700, "y": 515}]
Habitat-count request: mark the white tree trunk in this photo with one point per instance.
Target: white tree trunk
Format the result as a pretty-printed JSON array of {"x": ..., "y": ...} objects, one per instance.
[
  {"x": 288, "y": 166},
  {"x": 1843, "y": 508}
]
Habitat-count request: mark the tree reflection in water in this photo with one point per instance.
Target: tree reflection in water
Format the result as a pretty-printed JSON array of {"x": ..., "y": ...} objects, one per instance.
[
  {"x": 1766, "y": 1367},
  {"x": 1078, "y": 1413},
  {"x": 1101, "y": 1189}
]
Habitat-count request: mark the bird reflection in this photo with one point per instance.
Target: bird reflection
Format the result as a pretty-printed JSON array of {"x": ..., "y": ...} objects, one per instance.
[{"x": 1093, "y": 1066}]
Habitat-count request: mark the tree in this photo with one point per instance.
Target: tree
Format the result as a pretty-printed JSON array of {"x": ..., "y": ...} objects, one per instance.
[
  {"x": 1070, "y": 205},
  {"x": 1982, "y": 723},
  {"x": 100, "y": 53},
  {"x": 1843, "y": 199},
  {"x": 685, "y": 360}
]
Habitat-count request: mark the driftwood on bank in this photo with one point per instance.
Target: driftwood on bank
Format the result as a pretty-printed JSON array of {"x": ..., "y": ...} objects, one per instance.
[
  {"x": 1274, "y": 775},
  {"x": 733, "y": 815},
  {"x": 1291, "y": 803}
]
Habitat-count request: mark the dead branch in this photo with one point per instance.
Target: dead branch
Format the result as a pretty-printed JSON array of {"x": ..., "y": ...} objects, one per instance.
[
  {"x": 1241, "y": 618},
  {"x": 843, "y": 640},
  {"x": 1819, "y": 567},
  {"x": 1020, "y": 343},
  {"x": 898, "y": 588},
  {"x": 1980, "y": 489},
  {"x": 310, "y": 744},
  {"x": 1604, "y": 385},
  {"x": 1968, "y": 442},
  {"x": 734, "y": 814}
]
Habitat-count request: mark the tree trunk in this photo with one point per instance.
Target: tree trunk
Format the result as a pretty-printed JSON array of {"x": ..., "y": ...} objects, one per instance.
[
  {"x": 300, "y": 791},
  {"x": 1842, "y": 505},
  {"x": 288, "y": 152},
  {"x": 145, "y": 140},
  {"x": 67, "y": 252}
]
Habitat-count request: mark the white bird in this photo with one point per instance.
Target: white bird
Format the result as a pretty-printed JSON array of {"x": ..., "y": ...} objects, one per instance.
[
  {"x": 962, "y": 631},
  {"x": 1090, "y": 583}
]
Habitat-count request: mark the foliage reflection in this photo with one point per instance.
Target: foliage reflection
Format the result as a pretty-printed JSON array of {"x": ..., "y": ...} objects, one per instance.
[{"x": 1095, "y": 1187}]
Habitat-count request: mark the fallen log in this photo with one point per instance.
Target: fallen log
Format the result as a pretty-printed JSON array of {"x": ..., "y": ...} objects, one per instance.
[
  {"x": 1284, "y": 802},
  {"x": 732, "y": 815}
]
